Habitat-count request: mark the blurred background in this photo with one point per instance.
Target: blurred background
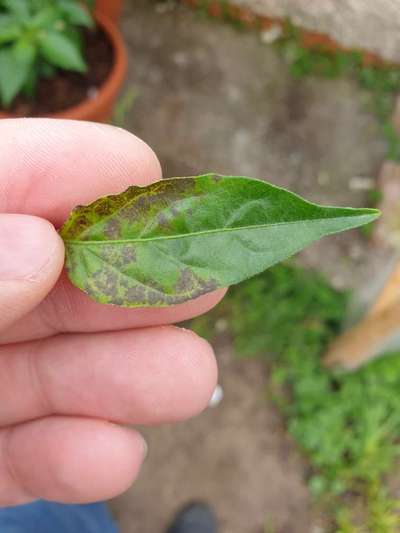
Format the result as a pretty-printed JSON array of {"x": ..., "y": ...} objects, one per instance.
[{"x": 301, "y": 93}]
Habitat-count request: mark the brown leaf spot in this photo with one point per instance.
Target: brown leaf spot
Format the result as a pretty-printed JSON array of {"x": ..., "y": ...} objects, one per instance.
[
  {"x": 181, "y": 184},
  {"x": 101, "y": 208}
]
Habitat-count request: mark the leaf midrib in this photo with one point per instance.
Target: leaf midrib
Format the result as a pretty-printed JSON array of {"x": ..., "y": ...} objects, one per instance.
[{"x": 206, "y": 232}]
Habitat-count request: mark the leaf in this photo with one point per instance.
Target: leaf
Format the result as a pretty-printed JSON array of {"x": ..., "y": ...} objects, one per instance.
[
  {"x": 61, "y": 51},
  {"x": 15, "y": 66},
  {"x": 180, "y": 238},
  {"x": 25, "y": 52},
  {"x": 77, "y": 14},
  {"x": 9, "y": 29},
  {"x": 44, "y": 18},
  {"x": 19, "y": 8}
]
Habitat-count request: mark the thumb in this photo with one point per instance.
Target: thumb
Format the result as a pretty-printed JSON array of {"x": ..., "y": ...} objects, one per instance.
[{"x": 31, "y": 260}]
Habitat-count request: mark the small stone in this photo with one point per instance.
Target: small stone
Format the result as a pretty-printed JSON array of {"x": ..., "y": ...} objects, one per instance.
[
  {"x": 356, "y": 252},
  {"x": 318, "y": 529},
  {"x": 323, "y": 178},
  {"x": 361, "y": 183},
  {"x": 181, "y": 59},
  {"x": 272, "y": 34},
  {"x": 164, "y": 7},
  {"x": 221, "y": 325}
]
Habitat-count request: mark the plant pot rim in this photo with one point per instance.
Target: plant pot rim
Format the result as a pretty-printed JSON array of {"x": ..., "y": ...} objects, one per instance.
[{"x": 107, "y": 90}]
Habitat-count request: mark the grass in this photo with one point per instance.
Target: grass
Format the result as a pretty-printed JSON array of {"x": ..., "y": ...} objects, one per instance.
[{"x": 348, "y": 425}]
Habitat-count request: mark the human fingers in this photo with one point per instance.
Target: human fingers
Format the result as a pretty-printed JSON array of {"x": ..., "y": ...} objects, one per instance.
[
  {"x": 61, "y": 164},
  {"x": 66, "y": 459},
  {"x": 31, "y": 260},
  {"x": 47, "y": 166},
  {"x": 66, "y": 309},
  {"x": 144, "y": 376}
]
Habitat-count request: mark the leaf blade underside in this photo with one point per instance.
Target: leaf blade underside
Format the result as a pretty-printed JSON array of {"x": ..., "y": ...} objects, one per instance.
[{"x": 177, "y": 239}]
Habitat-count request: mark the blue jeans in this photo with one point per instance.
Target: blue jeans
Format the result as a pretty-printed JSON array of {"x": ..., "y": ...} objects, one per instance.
[{"x": 48, "y": 517}]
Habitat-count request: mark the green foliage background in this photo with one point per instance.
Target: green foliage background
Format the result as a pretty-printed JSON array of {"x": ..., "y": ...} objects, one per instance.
[{"x": 348, "y": 425}]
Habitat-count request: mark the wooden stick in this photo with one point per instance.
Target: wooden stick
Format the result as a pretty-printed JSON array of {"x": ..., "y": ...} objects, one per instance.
[
  {"x": 369, "y": 337},
  {"x": 390, "y": 292},
  {"x": 366, "y": 340}
]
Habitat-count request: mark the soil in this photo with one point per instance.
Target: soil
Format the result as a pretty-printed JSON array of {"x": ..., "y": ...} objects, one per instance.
[{"x": 68, "y": 89}]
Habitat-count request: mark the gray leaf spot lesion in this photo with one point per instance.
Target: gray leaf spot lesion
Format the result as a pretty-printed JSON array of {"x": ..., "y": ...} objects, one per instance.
[
  {"x": 193, "y": 285},
  {"x": 136, "y": 294},
  {"x": 128, "y": 254},
  {"x": 106, "y": 282},
  {"x": 112, "y": 229},
  {"x": 162, "y": 220},
  {"x": 185, "y": 282}
]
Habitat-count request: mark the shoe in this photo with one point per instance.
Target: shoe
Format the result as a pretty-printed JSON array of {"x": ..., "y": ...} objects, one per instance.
[{"x": 194, "y": 518}]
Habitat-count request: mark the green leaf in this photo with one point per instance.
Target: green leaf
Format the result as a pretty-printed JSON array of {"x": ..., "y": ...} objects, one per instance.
[
  {"x": 25, "y": 52},
  {"x": 77, "y": 15},
  {"x": 180, "y": 238},
  {"x": 45, "y": 18},
  {"x": 15, "y": 66},
  {"x": 61, "y": 51},
  {"x": 9, "y": 29},
  {"x": 19, "y": 8}
]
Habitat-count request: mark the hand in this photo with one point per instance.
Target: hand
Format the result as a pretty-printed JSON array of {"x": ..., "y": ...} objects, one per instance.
[{"x": 71, "y": 370}]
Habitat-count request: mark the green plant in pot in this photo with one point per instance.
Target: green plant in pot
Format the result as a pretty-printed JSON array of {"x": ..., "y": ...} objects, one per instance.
[{"x": 50, "y": 40}]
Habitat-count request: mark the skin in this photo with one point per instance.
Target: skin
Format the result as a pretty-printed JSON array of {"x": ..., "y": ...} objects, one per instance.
[{"x": 72, "y": 372}]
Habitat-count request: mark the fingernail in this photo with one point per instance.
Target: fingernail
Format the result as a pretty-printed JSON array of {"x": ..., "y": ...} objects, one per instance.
[
  {"x": 145, "y": 449},
  {"x": 26, "y": 246},
  {"x": 217, "y": 397}
]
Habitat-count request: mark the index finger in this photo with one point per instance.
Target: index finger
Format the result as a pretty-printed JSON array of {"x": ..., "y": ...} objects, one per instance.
[{"x": 49, "y": 166}]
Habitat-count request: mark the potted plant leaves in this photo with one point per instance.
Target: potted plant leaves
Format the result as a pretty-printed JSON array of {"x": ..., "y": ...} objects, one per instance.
[{"x": 57, "y": 59}]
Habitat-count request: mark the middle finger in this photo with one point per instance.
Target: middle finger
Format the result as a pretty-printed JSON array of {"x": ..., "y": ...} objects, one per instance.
[
  {"x": 69, "y": 310},
  {"x": 144, "y": 376}
]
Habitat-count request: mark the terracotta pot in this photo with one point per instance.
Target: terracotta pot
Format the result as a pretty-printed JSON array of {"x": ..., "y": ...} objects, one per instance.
[
  {"x": 99, "y": 108},
  {"x": 110, "y": 8}
]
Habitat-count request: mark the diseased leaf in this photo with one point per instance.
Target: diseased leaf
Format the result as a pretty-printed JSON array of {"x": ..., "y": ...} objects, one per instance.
[{"x": 180, "y": 238}]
